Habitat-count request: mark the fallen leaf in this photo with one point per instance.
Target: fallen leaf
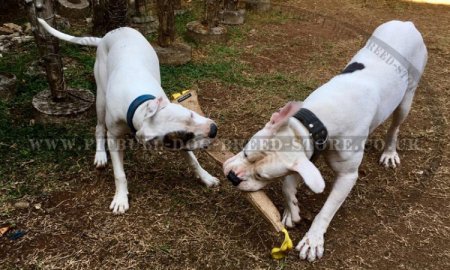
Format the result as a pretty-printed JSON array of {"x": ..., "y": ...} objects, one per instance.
[{"x": 4, "y": 230}]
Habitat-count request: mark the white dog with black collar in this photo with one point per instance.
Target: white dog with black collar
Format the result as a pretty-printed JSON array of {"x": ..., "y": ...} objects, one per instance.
[
  {"x": 379, "y": 81},
  {"x": 129, "y": 86}
]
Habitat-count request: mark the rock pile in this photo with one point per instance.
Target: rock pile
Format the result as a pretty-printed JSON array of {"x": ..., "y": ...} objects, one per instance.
[{"x": 12, "y": 34}]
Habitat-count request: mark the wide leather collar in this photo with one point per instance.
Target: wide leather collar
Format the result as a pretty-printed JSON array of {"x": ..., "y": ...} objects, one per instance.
[
  {"x": 133, "y": 107},
  {"x": 316, "y": 129}
]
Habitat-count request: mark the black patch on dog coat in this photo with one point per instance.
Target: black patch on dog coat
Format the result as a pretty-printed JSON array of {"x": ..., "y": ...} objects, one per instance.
[{"x": 353, "y": 67}]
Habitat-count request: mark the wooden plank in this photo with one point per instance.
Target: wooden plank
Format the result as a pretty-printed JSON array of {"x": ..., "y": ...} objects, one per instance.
[{"x": 219, "y": 152}]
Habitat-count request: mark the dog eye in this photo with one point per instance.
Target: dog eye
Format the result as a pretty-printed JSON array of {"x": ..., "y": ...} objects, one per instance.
[
  {"x": 258, "y": 175},
  {"x": 192, "y": 115},
  {"x": 245, "y": 155}
]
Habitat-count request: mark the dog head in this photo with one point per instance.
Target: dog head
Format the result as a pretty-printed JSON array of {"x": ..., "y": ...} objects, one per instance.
[
  {"x": 273, "y": 152},
  {"x": 175, "y": 127}
]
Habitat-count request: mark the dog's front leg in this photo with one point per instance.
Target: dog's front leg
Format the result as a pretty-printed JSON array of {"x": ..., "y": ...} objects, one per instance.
[
  {"x": 120, "y": 202},
  {"x": 311, "y": 246},
  {"x": 291, "y": 214},
  {"x": 201, "y": 173}
]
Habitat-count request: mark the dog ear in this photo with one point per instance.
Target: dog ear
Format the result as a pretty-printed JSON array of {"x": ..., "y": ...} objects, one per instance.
[
  {"x": 281, "y": 117},
  {"x": 310, "y": 174},
  {"x": 153, "y": 106}
]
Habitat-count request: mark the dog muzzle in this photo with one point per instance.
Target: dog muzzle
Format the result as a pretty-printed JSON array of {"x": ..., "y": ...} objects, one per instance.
[
  {"x": 234, "y": 179},
  {"x": 177, "y": 139}
]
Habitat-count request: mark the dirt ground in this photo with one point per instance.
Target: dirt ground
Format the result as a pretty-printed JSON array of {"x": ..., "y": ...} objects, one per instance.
[{"x": 393, "y": 219}]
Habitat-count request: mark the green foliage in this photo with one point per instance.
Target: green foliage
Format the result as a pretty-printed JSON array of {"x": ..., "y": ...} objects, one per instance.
[
  {"x": 181, "y": 21},
  {"x": 179, "y": 78},
  {"x": 82, "y": 74}
]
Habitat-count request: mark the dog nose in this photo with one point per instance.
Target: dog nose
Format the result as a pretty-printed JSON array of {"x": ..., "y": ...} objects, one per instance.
[
  {"x": 234, "y": 179},
  {"x": 212, "y": 131}
]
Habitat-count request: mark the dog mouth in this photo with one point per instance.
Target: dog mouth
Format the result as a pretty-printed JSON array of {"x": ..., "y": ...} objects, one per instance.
[
  {"x": 178, "y": 140},
  {"x": 202, "y": 143}
]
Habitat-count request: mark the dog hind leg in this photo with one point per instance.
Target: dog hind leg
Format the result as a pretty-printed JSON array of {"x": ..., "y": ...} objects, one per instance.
[{"x": 390, "y": 157}]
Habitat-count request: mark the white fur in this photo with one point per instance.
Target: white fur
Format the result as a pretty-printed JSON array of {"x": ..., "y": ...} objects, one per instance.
[
  {"x": 125, "y": 68},
  {"x": 352, "y": 104}
]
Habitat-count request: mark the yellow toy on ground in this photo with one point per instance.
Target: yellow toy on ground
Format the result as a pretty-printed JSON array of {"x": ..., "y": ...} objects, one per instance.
[
  {"x": 177, "y": 95},
  {"x": 286, "y": 246}
]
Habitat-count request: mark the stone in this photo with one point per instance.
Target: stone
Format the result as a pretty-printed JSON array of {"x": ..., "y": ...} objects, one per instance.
[
  {"x": 202, "y": 34},
  {"x": 13, "y": 27},
  {"x": 232, "y": 17},
  {"x": 22, "y": 39},
  {"x": 180, "y": 11},
  {"x": 22, "y": 205},
  {"x": 257, "y": 5},
  {"x": 77, "y": 104},
  {"x": 73, "y": 8},
  {"x": 150, "y": 23},
  {"x": 61, "y": 22},
  {"x": 143, "y": 19},
  {"x": 7, "y": 85},
  {"x": 5, "y": 30},
  {"x": 176, "y": 54},
  {"x": 27, "y": 28}
]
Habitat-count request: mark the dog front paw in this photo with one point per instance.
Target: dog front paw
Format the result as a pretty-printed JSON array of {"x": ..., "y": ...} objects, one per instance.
[
  {"x": 390, "y": 159},
  {"x": 290, "y": 219},
  {"x": 210, "y": 181},
  {"x": 119, "y": 204},
  {"x": 100, "y": 159},
  {"x": 311, "y": 246}
]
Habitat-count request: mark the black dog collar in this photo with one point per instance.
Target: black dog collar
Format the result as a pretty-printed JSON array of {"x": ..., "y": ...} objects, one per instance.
[
  {"x": 316, "y": 128},
  {"x": 133, "y": 107}
]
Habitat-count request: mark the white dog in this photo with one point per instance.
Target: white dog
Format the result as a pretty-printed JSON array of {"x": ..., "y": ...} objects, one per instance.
[
  {"x": 130, "y": 97},
  {"x": 379, "y": 81}
]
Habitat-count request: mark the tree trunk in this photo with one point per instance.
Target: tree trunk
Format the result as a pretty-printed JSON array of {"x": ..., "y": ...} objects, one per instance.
[
  {"x": 109, "y": 15},
  {"x": 138, "y": 4},
  {"x": 99, "y": 18},
  {"x": 48, "y": 46},
  {"x": 212, "y": 9},
  {"x": 231, "y": 4},
  {"x": 166, "y": 17},
  {"x": 116, "y": 14},
  {"x": 176, "y": 4},
  {"x": 7, "y": 6}
]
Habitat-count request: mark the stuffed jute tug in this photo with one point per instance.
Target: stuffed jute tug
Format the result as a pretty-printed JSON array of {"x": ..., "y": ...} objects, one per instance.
[{"x": 258, "y": 199}]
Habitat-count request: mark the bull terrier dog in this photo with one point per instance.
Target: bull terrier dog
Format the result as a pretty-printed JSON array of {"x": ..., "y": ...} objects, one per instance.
[
  {"x": 130, "y": 99},
  {"x": 335, "y": 120}
]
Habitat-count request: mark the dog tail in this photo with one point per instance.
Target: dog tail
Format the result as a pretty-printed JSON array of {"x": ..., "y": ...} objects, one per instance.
[{"x": 88, "y": 41}]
